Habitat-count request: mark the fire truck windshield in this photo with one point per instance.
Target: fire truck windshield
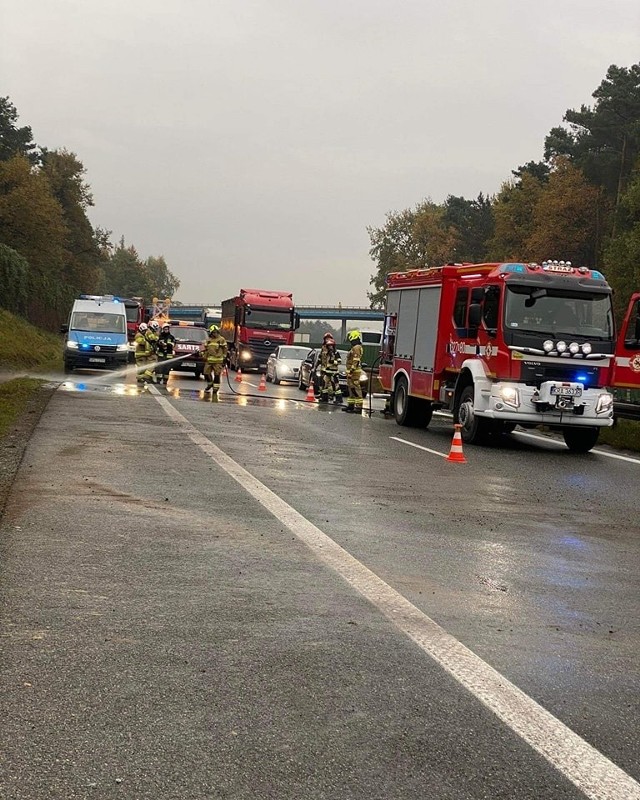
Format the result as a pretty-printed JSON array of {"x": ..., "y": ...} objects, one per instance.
[
  {"x": 555, "y": 312},
  {"x": 268, "y": 319}
]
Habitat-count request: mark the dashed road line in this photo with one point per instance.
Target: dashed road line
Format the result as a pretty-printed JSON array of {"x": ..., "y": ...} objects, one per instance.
[
  {"x": 588, "y": 769},
  {"x": 418, "y": 446}
]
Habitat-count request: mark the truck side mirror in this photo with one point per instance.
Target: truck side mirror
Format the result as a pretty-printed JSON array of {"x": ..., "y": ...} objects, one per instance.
[
  {"x": 64, "y": 328},
  {"x": 475, "y": 315},
  {"x": 296, "y": 321}
]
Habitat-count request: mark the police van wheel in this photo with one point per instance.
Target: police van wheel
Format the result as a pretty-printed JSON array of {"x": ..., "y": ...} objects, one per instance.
[
  {"x": 581, "y": 440},
  {"x": 68, "y": 369}
]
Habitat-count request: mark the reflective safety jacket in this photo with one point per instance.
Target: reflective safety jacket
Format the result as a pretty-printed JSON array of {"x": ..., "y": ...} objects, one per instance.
[
  {"x": 143, "y": 346},
  {"x": 329, "y": 360},
  {"x": 152, "y": 338},
  {"x": 166, "y": 342},
  {"x": 354, "y": 359},
  {"x": 215, "y": 350}
]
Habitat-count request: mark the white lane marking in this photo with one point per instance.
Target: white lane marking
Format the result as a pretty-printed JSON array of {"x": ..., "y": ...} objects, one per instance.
[
  {"x": 419, "y": 446},
  {"x": 594, "y": 774},
  {"x": 548, "y": 440}
]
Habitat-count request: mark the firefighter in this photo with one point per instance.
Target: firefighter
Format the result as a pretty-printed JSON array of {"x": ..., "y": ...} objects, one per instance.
[
  {"x": 143, "y": 355},
  {"x": 164, "y": 350},
  {"x": 329, "y": 366},
  {"x": 153, "y": 334},
  {"x": 354, "y": 373},
  {"x": 215, "y": 354}
]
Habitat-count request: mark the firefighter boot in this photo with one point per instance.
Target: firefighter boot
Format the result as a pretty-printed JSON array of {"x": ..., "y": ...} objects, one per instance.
[
  {"x": 324, "y": 397},
  {"x": 349, "y": 408}
]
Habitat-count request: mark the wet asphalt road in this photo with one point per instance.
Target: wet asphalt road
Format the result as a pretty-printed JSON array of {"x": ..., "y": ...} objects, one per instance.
[{"x": 165, "y": 636}]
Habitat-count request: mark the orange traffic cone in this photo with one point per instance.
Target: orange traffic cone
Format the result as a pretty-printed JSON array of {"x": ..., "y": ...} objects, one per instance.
[
  {"x": 263, "y": 383},
  {"x": 456, "y": 454},
  {"x": 311, "y": 395},
  {"x": 238, "y": 378},
  {"x": 224, "y": 372}
]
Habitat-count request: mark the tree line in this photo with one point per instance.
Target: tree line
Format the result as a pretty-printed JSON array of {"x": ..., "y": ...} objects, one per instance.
[
  {"x": 49, "y": 250},
  {"x": 581, "y": 203}
]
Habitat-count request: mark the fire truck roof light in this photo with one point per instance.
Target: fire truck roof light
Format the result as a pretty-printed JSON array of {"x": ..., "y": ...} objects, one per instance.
[{"x": 513, "y": 268}]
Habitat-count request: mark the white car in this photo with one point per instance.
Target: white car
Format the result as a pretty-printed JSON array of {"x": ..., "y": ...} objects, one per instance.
[{"x": 284, "y": 363}]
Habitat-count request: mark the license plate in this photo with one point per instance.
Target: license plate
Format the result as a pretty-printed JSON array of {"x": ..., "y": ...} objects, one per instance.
[
  {"x": 566, "y": 391},
  {"x": 98, "y": 360}
]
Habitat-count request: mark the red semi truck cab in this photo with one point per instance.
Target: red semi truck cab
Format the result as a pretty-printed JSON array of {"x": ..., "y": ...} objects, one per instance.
[
  {"x": 254, "y": 323},
  {"x": 504, "y": 344}
]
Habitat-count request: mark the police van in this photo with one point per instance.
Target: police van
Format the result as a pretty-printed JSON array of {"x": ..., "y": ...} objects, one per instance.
[{"x": 96, "y": 335}]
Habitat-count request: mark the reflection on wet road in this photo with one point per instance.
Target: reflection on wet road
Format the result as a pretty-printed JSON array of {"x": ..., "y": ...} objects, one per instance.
[{"x": 246, "y": 392}]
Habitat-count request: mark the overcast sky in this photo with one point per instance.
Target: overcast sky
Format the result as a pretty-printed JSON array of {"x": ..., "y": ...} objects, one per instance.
[{"x": 251, "y": 142}]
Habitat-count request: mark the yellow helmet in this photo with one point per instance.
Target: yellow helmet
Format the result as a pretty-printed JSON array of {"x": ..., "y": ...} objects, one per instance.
[
  {"x": 213, "y": 329},
  {"x": 353, "y": 336}
]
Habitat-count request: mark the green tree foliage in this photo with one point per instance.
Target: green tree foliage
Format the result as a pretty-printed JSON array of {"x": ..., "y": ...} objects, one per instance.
[
  {"x": 566, "y": 218},
  {"x": 163, "y": 283},
  {"x": 13, "y": 139},
  {"x": 622, "y": 256},
  {"x": 472, "y": 221},
  {"x": 513, "y": 212},
  {"x": 125, "y": 274},
  {"x": 65, "y": 174},
  {"x": 14, "y": 279},
  {"x": 417, "y": 237},
  {"x": 32, "y": 223},
  {"x": 604, "y": 141}
]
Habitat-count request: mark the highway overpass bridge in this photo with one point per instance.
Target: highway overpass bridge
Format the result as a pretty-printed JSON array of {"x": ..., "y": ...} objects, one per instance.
[{"x": 339, "y": 313}]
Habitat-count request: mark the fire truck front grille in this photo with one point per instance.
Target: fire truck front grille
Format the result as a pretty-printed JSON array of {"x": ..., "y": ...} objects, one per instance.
[{"x": 535, "y": 374}]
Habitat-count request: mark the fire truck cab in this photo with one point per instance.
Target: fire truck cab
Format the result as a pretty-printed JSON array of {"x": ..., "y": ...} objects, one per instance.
[{"x": 500, "y": 345}]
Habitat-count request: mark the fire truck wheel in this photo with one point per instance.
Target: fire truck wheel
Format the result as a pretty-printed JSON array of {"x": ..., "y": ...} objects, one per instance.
[
  {"x": 580, "y": 440},
  {"x": 410, "y": 411},
  {"x": 473, "y": 429}
]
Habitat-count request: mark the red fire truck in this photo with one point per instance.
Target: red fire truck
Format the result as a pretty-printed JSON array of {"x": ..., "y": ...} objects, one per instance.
[
  {"x": 254, "y": 323},
  {"x": 626, "y": 375},
  {"x": 506, "y": 344}
]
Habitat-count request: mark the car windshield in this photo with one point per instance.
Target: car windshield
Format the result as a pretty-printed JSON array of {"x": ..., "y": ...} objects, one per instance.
[
  {"x": 267, "y": 319},
  {"x": 554, "y": 312},
  {"x": 97, "y": 322},
  {"x": 293, "y": 353},
  {"x": 188, "y": 334}
]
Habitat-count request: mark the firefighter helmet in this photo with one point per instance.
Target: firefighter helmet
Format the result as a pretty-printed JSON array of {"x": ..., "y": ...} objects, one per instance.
[
  {"x": 328, "y": 335},
  {"x": 353, "y": 336},
  {"x": 142, "y": 327},
  {"x": 166, "y": 327},
  {"x": 213, "y": 329},
  {"x": 154, "y": 325}
]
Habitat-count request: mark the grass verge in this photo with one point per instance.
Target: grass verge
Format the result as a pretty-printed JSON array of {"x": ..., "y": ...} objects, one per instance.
[
  {"x": 24, "y": 347},
  {"x": 625, "y": 435},
  {"x": 14, "y": 398}
]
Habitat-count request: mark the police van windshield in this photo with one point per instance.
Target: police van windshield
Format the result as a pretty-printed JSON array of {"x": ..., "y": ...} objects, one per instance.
[
  {"x": 554, "y": 312},
  {"x": 267, "y": 319},
  {"x": 97, "y": 322}
]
